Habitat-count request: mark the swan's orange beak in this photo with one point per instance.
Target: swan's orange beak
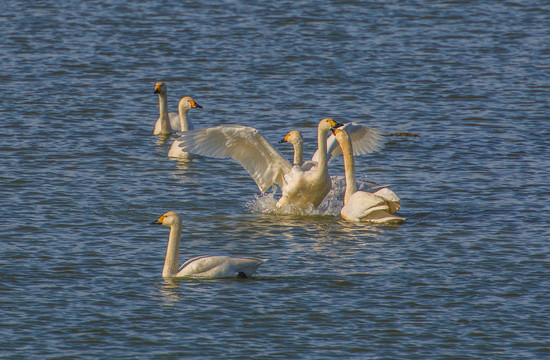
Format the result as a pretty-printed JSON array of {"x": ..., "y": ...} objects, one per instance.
[
  {"x": 194, "y": 104},
  {"x": 285, "y": 139},
  {"x": 157, "y": 89},
  {"x": 159, "y": 221}
]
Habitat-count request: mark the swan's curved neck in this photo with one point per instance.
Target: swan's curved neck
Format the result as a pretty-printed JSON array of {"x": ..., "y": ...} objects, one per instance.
[
  {"x": 184, "y": 119},
  {"x": 171, "y": 261},
  {"x": 298, "y": 152},
  {"x": 165, "y": 127},
  {"x": 349, "y": 166},
  {"x": 322, "y": 150}
]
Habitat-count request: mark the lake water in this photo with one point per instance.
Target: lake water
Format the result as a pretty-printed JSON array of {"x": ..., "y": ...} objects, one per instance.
[{"x": 465, "y": 277}]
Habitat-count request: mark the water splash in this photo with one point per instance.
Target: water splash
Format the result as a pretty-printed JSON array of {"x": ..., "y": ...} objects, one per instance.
[{"x": 331, "y": 205}]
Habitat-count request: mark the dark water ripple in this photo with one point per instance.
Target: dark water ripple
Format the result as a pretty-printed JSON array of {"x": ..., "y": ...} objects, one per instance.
[{"x": 82, "y": 177}]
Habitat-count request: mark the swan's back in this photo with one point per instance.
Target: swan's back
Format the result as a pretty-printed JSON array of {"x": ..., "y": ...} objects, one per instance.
[
  {"x": 365, "y": 206},
  {"x": 219, "y": 266}
]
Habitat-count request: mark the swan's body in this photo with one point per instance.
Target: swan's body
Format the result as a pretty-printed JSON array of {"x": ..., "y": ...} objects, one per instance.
[
  {"x": 361, "y": 205},
  {"x": 184, "y": 106},
  {"x": 301, "y": 189},
  {"x": 171, "y": 121},
  {"x": 205, "y": 266}
]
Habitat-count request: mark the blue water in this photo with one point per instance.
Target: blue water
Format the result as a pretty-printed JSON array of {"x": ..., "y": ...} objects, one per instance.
[{"x": 82, "y": 176}]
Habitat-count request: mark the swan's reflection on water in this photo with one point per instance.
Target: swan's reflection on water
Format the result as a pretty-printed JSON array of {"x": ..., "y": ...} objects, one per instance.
[
  {"x": 162, "y": 140},
  {"x": 182, "y": 167},
  {"x": 169, "y": 292}
]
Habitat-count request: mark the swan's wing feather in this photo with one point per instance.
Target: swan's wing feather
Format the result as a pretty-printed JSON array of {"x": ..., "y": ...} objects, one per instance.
[
  {"x": 265, "y": 164},
  {"x": 219, "y": 266},
  {"x": 248, "y": 265},
  {"x": 363, "y": 140},
  {"x": 191, "y": 260},
  {"x": 202, "y": 265}
]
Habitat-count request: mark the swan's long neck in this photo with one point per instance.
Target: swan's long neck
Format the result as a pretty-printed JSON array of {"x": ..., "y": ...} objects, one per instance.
[
  {"x": 322, "y": 150},
  {"x": 184, "y": 119},
  {"x": 298, "y": 152},
  {"x": 349, "y": 165},
  {"x": 171, "y": 261},
  {"x": 165, "y": 127}
]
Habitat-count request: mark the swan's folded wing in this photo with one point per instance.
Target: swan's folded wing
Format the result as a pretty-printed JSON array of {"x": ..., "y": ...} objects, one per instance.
[
  {"x": 205, "y": 265},
  {"x": 265, "y": 164},
  {"x": 363, "y": 140},
  {"x": 191, "y": 260}
]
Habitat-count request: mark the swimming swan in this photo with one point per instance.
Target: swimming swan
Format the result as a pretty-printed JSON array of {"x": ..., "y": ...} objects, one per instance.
[
  {"x": 201, "y": 266},
  {"x": 184, "y": 106},
  {"x": 375, "y": 207},
  {"x": 364, "y": 140},
  {"x": 168, "y": 121},
  {"x": 301, "y": 189}
]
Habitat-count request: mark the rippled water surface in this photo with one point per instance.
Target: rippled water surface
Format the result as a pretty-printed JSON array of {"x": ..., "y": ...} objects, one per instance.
[{"x": 82, "y": 177}]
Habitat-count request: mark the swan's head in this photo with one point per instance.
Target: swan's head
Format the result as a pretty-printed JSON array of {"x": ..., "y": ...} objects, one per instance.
[
  {"x": 169, "y": 219},
  {"x": 187, "y": 103},
  {"x": 327, "y": 123},
  {"x": 293, "y": 137},
  {"x": 160, "y": 88},
  {"x": 340, "y": 133}
]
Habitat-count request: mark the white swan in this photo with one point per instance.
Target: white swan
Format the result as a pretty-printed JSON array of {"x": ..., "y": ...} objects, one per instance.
[
  {"x": 201, "y": 266},
  {"x": 169, "y": 121},
  {"x": 301, "y": 189},
  {"x": 166, "y": 120},
  {"x": 184, "y": 106},
  {"x": 295, "y": 138},
  {"x": 364, "y": 140},
  {"x": 375, "y": 207}
]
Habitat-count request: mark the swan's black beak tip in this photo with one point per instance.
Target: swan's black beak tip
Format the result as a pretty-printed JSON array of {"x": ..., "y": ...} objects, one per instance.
[
  {"x": 156, "y": 92},
  {"x": 282, "y": 141},
  {"x": 198, "y": 106},
  {"x": 156, "y": 222}
]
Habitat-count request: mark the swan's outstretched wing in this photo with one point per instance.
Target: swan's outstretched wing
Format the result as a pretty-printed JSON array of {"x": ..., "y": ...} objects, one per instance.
[
  {"x": 363, "y": 140},
  {"x": 265, "y": 164}
]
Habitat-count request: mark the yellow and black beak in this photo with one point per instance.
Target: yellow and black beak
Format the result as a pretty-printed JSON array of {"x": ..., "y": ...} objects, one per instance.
[
  {"x": 194, "y": 104},
  {"x": 157, "y": 89},
  {"x": 335, "y": 124},
  {"x": 285, "y": 139},
  {"x": 159, "y": 221}
]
